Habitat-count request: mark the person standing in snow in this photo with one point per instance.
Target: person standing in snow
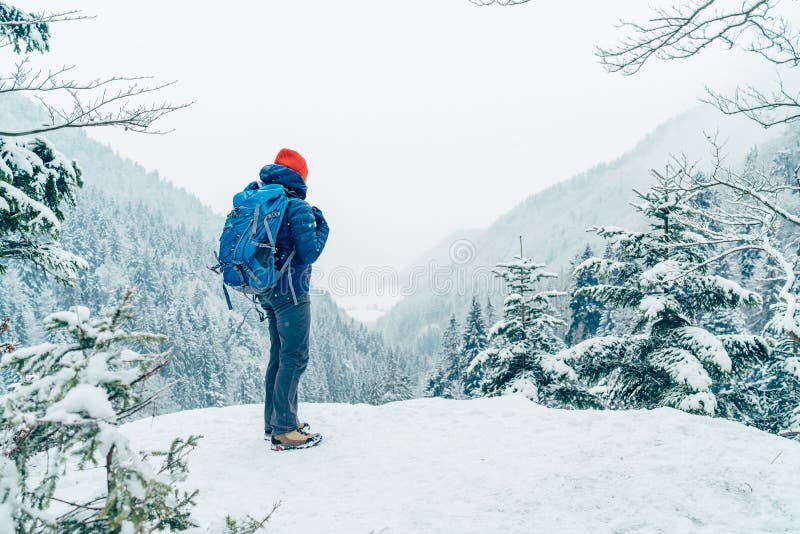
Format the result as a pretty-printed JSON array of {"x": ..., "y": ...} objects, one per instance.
[{"x": 303, "y": 232}]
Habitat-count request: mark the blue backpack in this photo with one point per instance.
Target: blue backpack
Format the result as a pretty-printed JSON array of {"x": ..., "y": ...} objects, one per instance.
[{"x": 247, "y": 250}]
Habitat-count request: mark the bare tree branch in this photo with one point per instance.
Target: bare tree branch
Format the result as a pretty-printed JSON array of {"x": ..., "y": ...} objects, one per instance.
[
  {"x": 749, "y": 214},
  {"x": 777, "y": 107},
  {"x": 691, "y": 26},
  {"x": 25, "y": 79},
  {"x": 112, "y": 101},
  {"x": 97, "y": 103}
]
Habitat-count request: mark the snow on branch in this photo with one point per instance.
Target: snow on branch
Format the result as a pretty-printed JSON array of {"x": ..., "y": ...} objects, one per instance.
[
  {"x": 684, "y": 368},
  {"x": 63, "y": 265},
  {"x": 605, "y": 347},
  {"x": 706, "y": 346},
  {"x": 745, "y": 351}
]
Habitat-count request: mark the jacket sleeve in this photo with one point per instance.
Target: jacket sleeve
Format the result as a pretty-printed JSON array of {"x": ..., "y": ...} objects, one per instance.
[{"x": 309, "y": 237}]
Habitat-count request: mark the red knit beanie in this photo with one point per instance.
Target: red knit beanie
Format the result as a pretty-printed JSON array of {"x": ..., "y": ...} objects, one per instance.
[{"x": 292, "y": 159}]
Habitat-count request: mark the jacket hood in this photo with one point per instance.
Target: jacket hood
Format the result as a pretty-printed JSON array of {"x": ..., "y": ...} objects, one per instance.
[{"x": 278, "y": 174}]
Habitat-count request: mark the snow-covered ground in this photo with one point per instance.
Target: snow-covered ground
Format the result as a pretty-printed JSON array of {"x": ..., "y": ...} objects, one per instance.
[{"x": 490, "y": 465}]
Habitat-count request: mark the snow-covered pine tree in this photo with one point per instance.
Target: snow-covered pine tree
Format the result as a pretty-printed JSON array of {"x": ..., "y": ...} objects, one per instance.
[
  {"x": 447, "y": 379},
  {"x": 371, "y": 389},
  {"x": 64, "y": 413},
  {"x": 666, "y": 360},
  {"x": 37, "y": 185},
  {"x": 520, "y": 357},
  {"x": 396, "y": 384},
  {"x": 586, "y": 311},
  {"x": 475, "y": 339}
]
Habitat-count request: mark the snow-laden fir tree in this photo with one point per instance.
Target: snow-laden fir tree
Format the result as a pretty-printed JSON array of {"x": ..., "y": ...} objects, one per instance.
[
  {"x": 447, "y": 379},
  {"x": 666, "y": 359},
  {"x": 475, "y": 338},
  {"x": 521, "y": 354},
  {"x": 586, "y": 312},
  {"x": 396, "y": 384},
  {"x": 37, "y": 185},
  {"x": 64, "y": 414}
]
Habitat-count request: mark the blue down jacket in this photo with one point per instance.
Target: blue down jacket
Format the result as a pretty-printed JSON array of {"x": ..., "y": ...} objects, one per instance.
[{"x": 299, "y": 232}]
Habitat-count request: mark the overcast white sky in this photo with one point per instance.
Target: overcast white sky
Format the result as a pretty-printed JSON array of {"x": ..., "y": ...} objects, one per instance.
[{"x": 417, "y": 117}]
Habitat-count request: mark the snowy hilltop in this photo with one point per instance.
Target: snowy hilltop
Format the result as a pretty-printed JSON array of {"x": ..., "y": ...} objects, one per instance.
[{"x": 488, "y": 465}]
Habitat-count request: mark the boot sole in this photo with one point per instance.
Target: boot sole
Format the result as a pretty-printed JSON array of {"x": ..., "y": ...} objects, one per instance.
[{"x": 292, "y": 447}]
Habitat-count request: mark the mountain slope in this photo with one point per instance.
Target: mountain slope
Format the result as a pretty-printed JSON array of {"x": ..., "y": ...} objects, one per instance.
[
  {"x": 553, "y": 223},
  {"x": 490, "y": 465}
]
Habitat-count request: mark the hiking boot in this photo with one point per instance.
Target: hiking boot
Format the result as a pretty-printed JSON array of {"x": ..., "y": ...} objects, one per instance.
[
  {"x": 295, "y": 439},
  {"x": 302, "y": 427}
]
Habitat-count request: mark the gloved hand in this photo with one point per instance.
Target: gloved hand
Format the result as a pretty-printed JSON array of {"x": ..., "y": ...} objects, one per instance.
[{"x": 318, "y": 217}]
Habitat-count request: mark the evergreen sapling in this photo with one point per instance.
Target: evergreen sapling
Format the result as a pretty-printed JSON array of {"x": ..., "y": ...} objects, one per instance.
[
  {"x": 522, "y": 345},
  {"x": 64, "y": 414}
]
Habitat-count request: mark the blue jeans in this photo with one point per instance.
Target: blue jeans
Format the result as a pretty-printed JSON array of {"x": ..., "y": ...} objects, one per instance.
[{"x": 289, "y": 326}]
